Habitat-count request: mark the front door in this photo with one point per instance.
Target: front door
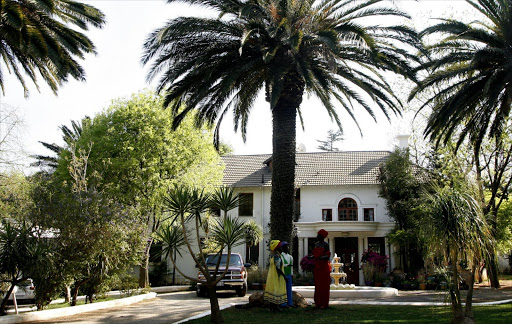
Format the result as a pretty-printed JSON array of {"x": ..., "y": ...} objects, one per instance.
[{"x": 346, "y": 249}]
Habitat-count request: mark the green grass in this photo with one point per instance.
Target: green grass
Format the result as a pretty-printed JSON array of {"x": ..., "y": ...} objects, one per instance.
[
  {"x": 362, "y": 314},
  {"x": 505, "y": 276},
  {"x": 80, "y": 302}
]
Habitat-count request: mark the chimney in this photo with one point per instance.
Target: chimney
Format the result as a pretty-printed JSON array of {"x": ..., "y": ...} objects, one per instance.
[{"x": 403, "y": 141}]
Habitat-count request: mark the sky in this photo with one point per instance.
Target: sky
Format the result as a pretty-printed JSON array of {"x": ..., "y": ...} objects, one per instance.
[{"x": 116, "y": 72}]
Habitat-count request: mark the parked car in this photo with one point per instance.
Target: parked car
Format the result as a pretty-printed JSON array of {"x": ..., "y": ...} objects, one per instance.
[
  {"x": 235, "y": 279},
  {"x": 24, "y": 291}
]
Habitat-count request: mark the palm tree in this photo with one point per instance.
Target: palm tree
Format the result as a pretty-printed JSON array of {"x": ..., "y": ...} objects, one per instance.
[
  {"x": 187, "y": 206},
  {"x": 35, "y": 38},
  {"x": 468, "y": 82},
  {"x": 69, "y": 135},
  {"x": 456, "y": 229},
  {"x": 287, "y": 48}
]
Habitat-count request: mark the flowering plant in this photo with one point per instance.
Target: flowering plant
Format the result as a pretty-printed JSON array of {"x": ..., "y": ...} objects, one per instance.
[
  {"x": 307, "y": 264},
  {"x": 375, "y": 259}
]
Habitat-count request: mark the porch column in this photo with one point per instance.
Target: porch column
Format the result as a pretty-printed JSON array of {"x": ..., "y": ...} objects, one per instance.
[
  {"x": 360, "y": 250},
  {"x": 300, "y": 253},
  {"x": 331, "y": 246},
  {"x": 388, "y": 253}
]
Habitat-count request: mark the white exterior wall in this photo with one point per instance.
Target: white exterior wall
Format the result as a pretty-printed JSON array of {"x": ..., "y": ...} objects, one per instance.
[{"x": 313, "y": 200}]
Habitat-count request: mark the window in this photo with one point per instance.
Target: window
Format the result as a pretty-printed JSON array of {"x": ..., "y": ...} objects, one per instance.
[
  {"x": 369, "y": 215},
  {"x": 327, "y": 215},
  {"x": 246, "y": 203},
  {"x": 377, "y": 244},
  {"x": 347, "y": 210}
]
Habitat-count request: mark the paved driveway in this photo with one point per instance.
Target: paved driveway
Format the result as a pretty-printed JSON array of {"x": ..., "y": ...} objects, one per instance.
[{"x": 165, "y": 308}]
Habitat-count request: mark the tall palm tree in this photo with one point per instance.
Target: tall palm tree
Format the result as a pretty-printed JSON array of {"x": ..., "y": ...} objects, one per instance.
[
  {"x": 35, "y": 39},
  {"x": 468, "y": 82},
  {"x": 287, "y": 48}
]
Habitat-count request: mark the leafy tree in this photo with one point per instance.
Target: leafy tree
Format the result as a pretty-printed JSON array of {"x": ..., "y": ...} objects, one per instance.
[
  {"x": 96, "y": 237},
  {"x": 328, "y": 144},
  {"x": 36, "y": 39},
  {"x": 287, "y": 48},
  {"x": 187, "y": 207},
  {"x": 138, "y": 155},
  {"x": 456, "y": 229},
  {"x": 15, "y": 200},
  {"x": 401, "y": 183}
]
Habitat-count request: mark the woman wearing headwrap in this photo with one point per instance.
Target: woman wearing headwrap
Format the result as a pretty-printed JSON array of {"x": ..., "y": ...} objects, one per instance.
[
  {"x": 275, "y": 290},
  {"x": 322, "y": 270}
]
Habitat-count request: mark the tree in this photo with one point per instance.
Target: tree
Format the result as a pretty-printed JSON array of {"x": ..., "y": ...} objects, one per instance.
[
  {"x": 95, "y": 236},
  {"x": 456, "y": 229},
  {"x": 22, "y": 254},
  {"x": 138, "y": 155},
  {"x": 187, "y": 207},
  {"x": 332, "y": 137},
  {"x": 401, "y": 183},
  {"x": 11, "y": 125},
  {"x": 468, "y": 71},
  {"x": 287, "y": 48},
  {"x": 36, "y": 39},
  {"x": 69, "y": 136},
  {"x": 488, "y": 172}
]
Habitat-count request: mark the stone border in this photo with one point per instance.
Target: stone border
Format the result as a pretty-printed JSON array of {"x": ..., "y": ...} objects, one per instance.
[{"x": 49, "y": 314}]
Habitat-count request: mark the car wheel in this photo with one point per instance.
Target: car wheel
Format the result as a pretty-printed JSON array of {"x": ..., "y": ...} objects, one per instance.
[
  {"x": 242, "y": 291},
  {"x": 201, "y": 292}
]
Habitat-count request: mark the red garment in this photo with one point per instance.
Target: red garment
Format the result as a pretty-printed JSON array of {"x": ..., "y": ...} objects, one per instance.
[{"x": 322, "y": 277}]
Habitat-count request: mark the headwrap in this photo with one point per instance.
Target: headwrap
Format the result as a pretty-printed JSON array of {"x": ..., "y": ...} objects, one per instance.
[
  {"x": 323, "y": 233},
  {"x": 274, "y": 244}
]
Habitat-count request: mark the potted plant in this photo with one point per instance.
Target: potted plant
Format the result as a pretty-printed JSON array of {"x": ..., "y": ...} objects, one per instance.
[
  {"x": 368, "y": 273},
  {"x": 422, "y": 279},
  {"x": 372, "y": 263}
]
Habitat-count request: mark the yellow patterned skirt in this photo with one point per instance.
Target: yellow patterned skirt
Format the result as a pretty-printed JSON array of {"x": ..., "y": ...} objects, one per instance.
[{"x": 275, "y": 291}]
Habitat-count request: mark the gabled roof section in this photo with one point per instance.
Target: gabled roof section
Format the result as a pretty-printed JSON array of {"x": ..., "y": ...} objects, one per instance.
[{"x": 313, "y": 169}]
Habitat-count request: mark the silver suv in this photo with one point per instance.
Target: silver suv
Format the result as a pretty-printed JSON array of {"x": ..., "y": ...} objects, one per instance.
[{"x": 235, "y": 279}]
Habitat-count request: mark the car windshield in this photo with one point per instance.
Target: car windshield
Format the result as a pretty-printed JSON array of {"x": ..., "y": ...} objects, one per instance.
[{"x": 234, "y": 260}]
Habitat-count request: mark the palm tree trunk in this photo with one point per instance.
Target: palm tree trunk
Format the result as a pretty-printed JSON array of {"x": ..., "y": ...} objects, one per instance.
[
  {"x": 6, "y": 298},
  {"x": 284, "y": 119},
  {"x": 216, "y": 315}
]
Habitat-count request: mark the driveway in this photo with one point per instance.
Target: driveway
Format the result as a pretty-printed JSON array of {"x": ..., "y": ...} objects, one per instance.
[{"x": 165, "y": 308}]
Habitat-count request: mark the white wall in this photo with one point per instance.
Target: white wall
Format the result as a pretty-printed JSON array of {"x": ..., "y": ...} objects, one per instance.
[{"x": 314, "y": 199}]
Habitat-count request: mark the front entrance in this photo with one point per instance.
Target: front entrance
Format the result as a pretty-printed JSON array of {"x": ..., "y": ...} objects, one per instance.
[{"x": 346, "y": 249}]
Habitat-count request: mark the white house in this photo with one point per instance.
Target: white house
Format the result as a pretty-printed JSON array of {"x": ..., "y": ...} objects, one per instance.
[{"x": 336, "y": 191}]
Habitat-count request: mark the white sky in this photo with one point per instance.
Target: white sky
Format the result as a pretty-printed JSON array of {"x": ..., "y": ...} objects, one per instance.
[{"x": 116, "y": 72}]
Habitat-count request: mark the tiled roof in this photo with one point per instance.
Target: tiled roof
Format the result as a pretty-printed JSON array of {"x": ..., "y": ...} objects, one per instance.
[{"x": 313, "y": 169}]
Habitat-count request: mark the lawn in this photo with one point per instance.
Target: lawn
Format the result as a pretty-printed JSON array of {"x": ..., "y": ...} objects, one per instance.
[{"x": 362, "y": 314}]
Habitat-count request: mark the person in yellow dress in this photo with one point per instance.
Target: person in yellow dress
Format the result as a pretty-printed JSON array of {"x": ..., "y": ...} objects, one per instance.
[{"x": 275, "y": 290}]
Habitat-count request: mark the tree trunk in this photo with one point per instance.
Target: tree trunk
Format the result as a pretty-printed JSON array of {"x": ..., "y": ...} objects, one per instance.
[
  {"x": 468, "y": 311},
  {"x": 144, "y": 272},
  {"x": 216, "y": 315},
  {"x": 284, "y": 118},
  {"x": 74, "y": 295},
  {"x": 493, "y": 270},
  {"x": 6, "y": 298}
]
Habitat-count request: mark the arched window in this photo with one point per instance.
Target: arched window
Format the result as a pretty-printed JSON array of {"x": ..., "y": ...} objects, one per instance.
[{"x": 347, "y": 210}]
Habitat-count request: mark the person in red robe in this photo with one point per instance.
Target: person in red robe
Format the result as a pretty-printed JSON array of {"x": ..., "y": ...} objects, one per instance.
[{"x": 322, "y": 270}]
